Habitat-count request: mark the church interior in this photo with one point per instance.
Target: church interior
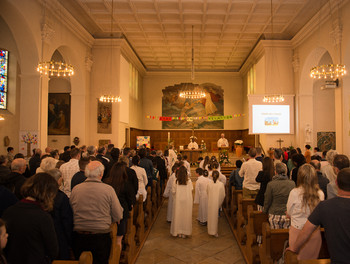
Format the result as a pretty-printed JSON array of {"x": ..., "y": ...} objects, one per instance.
[{"x": 250, "y": 61}]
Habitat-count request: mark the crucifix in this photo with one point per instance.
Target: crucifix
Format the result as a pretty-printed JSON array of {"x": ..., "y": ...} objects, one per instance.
[{"x": 280, "y": 141}]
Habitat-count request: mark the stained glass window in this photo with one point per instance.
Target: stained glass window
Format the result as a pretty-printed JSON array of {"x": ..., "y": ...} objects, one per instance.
[{"x": 3, "y": 78}]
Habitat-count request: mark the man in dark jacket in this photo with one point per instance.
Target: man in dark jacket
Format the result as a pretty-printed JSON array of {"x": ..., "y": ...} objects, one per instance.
[{"x": 34, "y": 162}]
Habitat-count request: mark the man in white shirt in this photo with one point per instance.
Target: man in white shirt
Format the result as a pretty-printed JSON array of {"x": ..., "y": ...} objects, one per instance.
[
  {"x": 222, "y": 142},
  {"x": 68, "y": 170},
  {"x": 249, "y": 171},
  {"x": 193, "y": 144}
]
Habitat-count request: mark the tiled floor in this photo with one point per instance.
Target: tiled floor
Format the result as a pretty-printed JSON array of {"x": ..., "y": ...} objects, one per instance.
[{"x": 161, "y": 247}]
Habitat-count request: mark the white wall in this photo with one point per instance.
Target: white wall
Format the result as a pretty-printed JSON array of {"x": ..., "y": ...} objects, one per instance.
[{"x": 154, "y": 82}]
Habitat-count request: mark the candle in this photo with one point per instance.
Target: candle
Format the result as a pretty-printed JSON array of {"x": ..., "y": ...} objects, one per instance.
[{"x": 168, "y": 136}]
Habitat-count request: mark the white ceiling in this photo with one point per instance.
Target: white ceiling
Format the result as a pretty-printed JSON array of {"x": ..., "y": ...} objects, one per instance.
[{"x": 224, "y": 31}]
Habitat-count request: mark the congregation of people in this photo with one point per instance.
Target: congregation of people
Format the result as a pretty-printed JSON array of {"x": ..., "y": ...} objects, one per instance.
[
  {"x": 57, "y": 205},
  {"x": 301, "y": 192}
]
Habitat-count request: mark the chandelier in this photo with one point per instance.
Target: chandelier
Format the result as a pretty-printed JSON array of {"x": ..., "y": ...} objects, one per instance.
[
  {"x": 55, "y": 69},
  {"x": 329, "y": 71},
  {"x": 110, "y": 99},
  {"x": 196, "y": 92},
  {"x": 273, "y": 98},
  {"x": 192, "y": 94}
]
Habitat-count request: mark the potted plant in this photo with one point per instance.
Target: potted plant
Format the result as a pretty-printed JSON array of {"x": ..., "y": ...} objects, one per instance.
[{"x": 239, "y": 147}]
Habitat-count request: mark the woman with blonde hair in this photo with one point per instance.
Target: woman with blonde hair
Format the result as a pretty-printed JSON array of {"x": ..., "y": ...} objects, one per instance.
[{"x": 301, "y": 202}]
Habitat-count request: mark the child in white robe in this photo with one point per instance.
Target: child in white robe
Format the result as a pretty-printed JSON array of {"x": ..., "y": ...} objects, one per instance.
[
  {"x": 181, "y": 222},
  {"x": 216, "y": 195},
  {"x": 201, "y": 195},
  {"x": 214, "y": 167},
  {"x": 167, "y": 192}
]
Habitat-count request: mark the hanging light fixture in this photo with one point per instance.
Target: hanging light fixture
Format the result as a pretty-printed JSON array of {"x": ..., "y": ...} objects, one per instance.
[
  {"x": 330, "y": 71},
  {"x": 108, "y": 98},
  {"x": 277, "y": 98},
  {"x": 196, "y": 92},
  {"x": 53, "y": 68}
]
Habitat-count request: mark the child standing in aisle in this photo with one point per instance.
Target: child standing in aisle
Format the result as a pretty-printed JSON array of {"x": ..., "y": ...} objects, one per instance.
[
  {"x": 216, "y": 195},
  {"x": 201, "y": 195},
  {"x": 181, "y": 222}
]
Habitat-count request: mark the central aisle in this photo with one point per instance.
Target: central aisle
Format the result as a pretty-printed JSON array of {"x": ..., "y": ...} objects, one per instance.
[{"x": 161, "y": 247}]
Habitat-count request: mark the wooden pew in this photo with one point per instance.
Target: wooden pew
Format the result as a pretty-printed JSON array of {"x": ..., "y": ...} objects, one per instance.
[
  {"x": 159, "y": 196},
  {"x": 129, "y": 240},
  {"x": 234, "y": 205},
  {"x": 114, "y": 255},
  {"x": 226, "y": 170},
  {"x": 242, "y": 217},
  {"x": 85, "y": 258},
  {"x": 154, "y": 198},
  {"x": 272, "y": 246},
  {"x": 148, "y": 210},
  {"x": 323, "y": 256},
  {"x": 139, "y": 221},
  {"x": 254, "y": 229},
  {"x": 291, "y": 258}
]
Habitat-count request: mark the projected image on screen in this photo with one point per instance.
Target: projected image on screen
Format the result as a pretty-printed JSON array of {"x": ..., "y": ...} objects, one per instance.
[{"x": 270, "y": 119}]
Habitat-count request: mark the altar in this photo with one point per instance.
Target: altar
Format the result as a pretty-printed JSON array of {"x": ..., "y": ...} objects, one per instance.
[{"x": 192, "y": 154}]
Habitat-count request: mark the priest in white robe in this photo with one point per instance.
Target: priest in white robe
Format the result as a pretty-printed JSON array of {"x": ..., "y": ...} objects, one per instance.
[
  {"x": 201, "y": 195},
  {"x": 172, "y": 158},
  {"x": 216, "y": 195},
  {"x": 193, "y": 144},
  {"x": 222, "y": 142},
  {"x": 181, "y": 223}
]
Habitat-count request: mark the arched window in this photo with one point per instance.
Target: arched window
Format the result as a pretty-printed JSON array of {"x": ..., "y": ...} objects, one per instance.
[{"x": 3, "y": 78}]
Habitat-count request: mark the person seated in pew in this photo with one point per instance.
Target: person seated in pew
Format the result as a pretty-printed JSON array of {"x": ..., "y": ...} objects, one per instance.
[
  {"x": 235, "y": 179},
  {"x": 334, "y": 216},
  {"x": 276, "y": 197},
  {"x": 301, "y": 202},
  {"x": 201, "y": 195}
]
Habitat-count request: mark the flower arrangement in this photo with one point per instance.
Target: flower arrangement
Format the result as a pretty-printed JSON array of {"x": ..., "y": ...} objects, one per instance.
[
  {"x": 239, "y": 142},
  {"x": 223, "y": 157}
]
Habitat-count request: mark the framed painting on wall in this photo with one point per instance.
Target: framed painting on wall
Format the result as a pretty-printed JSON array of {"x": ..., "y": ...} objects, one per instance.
[
  {"x": 326, "y": 140},
  {"x": 59, "y": 114},
  {"x": 104, "y": 118}
]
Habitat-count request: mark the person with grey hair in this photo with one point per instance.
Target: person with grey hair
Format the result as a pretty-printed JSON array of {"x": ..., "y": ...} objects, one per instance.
[
  {"x": 62, "y": 216},
  {"x": 92, "y": 220},
  {"x": 276, "y": 197},
  {"x": 47, "y": 164},
  {"x": 327, "y": 169},
  {"x": 339, "y": 162},
  {"x": 4, "y": 169},
  {"x": 15, "y": 179},
  {"x": 91, "y": 152},
  {"x": 101, "y": 151}
]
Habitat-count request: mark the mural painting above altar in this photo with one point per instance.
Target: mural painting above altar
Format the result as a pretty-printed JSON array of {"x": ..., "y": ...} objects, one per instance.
[{"x": 211, "y": 105}]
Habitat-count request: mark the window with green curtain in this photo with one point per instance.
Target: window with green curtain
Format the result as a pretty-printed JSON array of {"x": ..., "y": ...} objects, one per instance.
[{"x": 3, "y": 81}]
